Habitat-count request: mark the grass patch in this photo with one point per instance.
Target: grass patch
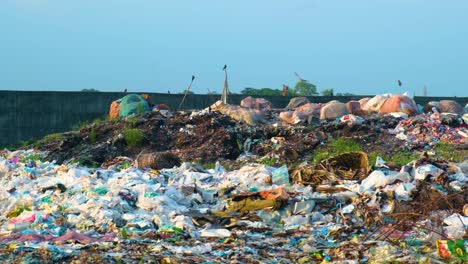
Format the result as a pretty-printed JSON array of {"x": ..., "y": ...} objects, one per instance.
[
  {"x": 269, "y": 161},
  {"x": 401, "y": 157},
  {"x": 133, "y": 136},
  {"x": 81, "y": 125},
  {"x": 132, "y": 121},
  {"x": 33, "y": 157},
  {"x": 84, "y": 124},
  {"x": 92, "y": 136},
  {"x": 335, "y": 147},
  {"x": 373, "y": 158},
  {"x": 52, "y": 137},
  {"x": 450, "y": 151},
  {"x": 208, "y": 165}
]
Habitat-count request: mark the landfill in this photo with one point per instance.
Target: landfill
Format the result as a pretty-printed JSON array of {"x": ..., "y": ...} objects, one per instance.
[{"x": 243, "y": 184}]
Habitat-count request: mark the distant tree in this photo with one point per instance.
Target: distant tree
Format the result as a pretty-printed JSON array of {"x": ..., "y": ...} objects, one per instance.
[
  {"x": 344, "y": 94},
  {"x": 327, "y": 92},
  {"x": 261, "y": 91},
  {"x": 304, "y": 88},
  {"x": 90, "y": 90}
]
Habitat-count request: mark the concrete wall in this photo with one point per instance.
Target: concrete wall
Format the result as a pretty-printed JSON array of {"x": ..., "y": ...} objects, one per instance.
[{"x": 32, "y": 115}]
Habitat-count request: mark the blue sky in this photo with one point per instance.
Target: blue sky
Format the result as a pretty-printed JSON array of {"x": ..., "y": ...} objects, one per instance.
[{"x": 361, "y": 46}]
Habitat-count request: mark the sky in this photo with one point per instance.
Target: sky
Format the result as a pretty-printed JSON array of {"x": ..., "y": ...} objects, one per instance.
[{"x": 355, "y": 46}]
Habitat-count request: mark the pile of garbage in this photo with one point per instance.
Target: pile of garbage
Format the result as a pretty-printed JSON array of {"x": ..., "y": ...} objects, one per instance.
[
  {"x": 341, "y": 209},
  {"x": 429, "y": 129}
]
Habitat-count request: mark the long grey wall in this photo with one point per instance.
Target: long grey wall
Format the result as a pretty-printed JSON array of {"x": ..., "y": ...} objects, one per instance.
[{"x": 32, "y": 115}]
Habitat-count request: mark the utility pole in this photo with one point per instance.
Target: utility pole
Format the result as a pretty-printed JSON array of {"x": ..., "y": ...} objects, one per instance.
[
  {"x": 186, "y": 92},
  {"x": 226, "y": 87}
]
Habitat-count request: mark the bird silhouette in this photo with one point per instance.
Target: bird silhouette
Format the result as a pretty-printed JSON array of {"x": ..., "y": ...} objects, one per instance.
[
  {"x": 125, "y": 90},
  {"x": 193, "y": 77},
  {"x": 399, "y": 83},
  {"x": 225, "y": 66}
]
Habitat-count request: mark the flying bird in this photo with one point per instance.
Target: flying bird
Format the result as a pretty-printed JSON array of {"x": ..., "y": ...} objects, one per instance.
[{"x": 399, "y": 83}]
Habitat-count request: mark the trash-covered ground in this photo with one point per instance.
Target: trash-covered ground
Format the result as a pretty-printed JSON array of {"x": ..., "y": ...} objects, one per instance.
[{"x": 207, "y": 187}]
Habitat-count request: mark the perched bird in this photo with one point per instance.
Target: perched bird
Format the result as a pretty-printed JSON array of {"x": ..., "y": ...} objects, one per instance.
[
  {"x": 193, "y": 77},
  {"x": 225, "y": 66},
  {"x": 125, "y": 90},
  {"x": 399, "y": 83}
]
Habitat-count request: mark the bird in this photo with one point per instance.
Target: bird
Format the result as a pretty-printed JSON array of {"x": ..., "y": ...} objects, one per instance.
[
  {"x": 399, "y": 83},
  {"x": 125, "y": 90},
  {"x": 193, "y": 77},
  {"x": 225, "y": 66}
]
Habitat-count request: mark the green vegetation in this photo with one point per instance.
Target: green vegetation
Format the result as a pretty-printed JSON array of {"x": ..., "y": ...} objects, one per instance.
[
  {"x": 84, "y": 124},
  {"x": 269, "y": 161},
  {"x": 92, "y": 136},
  {"x": 373, "y": 158},
  {"x": 304, "y": 88},
  {"x": 335, "y": 147},
  {"x": 25, "y": 143},
  {"x": 132, "y": 121},
  {"x": 133, "y": 136},
  {"x": 81, "y": 125},
  {"x": 52, "y": 137},
  {"x": 208, "y": 165},
  {"x": 90, "y": 90},
  {"x": 448, "y": 151},
  {"x": 261, "y": 92},
  {"x": 32, "y": 157},
  {"x": 401, "y": 157},
  {"x": 327, "y": 92}
]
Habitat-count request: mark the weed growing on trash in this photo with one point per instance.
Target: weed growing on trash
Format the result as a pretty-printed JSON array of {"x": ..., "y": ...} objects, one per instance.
[
  {"x": 92, "y": 136},
  {"x": 444, "y": 150},
  {"x": 269, "y": 161},
  {"x": 132, "y": 121},
  {"x": 208, "y": 165},
  {"x": 402, "y": 157},
  {"x": 133, "y": 136},
  {"x": 335, "y": 147},
  {"x": 51, "y": 138}
]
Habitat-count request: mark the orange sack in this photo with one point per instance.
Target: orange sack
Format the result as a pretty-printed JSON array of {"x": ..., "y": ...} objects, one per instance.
[
  {"x": 399, "y": 103},
  {"x": 114, "y": 110}
]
